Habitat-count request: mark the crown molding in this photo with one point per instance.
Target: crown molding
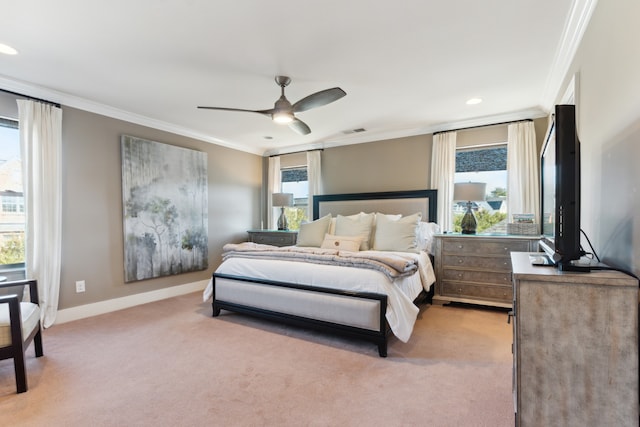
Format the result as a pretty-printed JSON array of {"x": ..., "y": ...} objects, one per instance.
[
  {"x": 67, "y": 100},
  {"x": 576, "y": 24}
]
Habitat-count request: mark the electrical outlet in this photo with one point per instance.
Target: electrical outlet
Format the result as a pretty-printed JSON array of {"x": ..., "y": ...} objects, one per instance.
[{"x": 80, "y": 286}]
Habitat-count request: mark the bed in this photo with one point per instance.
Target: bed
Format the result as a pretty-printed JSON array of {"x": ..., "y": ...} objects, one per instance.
[{"x": 365, "y": 288}]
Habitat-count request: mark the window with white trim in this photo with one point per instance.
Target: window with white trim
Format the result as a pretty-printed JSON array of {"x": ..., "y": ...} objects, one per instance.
[
  {"x": 295, "y": 180},
  {"x": 487, "y": 164}
]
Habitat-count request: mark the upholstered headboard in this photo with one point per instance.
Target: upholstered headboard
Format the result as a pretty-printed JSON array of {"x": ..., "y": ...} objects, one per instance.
[{"x": 389, "y": 202}]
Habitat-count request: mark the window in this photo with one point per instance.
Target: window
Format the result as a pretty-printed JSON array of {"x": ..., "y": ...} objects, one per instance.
[
  {"x": 12, "y": 203},
  {"x": 12, "y": 216},
  {"x": 488, "y": 165},
  {"x": 294, "y": 180}
]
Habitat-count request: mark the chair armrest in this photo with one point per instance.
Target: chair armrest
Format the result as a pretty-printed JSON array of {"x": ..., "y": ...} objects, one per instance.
[
  {"x": 33, "y": 288},
  {"x": 7, "y": 299},
  {"x": 15, "y": 319}
]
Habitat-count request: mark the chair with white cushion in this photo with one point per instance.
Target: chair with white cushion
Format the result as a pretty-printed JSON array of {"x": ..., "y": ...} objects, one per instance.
[{"x": 19, "y": 325}]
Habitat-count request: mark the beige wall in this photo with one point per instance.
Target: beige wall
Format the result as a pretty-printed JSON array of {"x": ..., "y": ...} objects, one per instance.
[
  {"x": 608, "y": 103},
  {"x": 396, "y": 164},
  {"x": 92, "y": 246}
]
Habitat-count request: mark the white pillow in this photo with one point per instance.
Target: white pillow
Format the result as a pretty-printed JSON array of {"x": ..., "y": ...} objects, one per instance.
[
  {"x": 332, "y": 226},
  {"x": 399, "y": 235},
  {"x": 356, "y": 225},
  {"x": 342, "y": 243},
  {"x": 426, "y": 230},
  {"x": 392, "y": 217},
  {"x": 312, "y": 233}
]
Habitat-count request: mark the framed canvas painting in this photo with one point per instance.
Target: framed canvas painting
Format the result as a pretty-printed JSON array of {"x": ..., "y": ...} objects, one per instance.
[{"x": 164, "y": 194}]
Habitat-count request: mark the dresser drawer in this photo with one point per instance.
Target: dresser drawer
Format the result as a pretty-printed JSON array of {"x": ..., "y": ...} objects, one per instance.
[
  {"x": 477, "y": 269},
  {"x": 463, "y": 290},
  {"x": 484, "y": 263},
  {"x": 490, "y": 277},
  {"x": 274, "y": 238},
  {"x": 484, "y": 246}
]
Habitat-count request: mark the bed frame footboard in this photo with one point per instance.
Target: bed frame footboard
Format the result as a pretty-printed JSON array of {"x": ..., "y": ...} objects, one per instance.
[{"x": 355, "y": 314}]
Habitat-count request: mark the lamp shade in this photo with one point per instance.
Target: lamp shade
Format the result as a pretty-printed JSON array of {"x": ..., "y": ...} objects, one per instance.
[
  {"x": 469, "y": 191},
  {"x": 282, "y": 199}
]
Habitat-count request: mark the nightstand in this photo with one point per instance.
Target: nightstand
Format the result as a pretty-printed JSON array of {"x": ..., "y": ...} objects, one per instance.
[
  {"x": 273, "y": 237},
  {"x": 476, "y": 269}
]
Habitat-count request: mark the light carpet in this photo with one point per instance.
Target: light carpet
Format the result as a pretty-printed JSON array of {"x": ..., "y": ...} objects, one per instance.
[{"x": 169, "y": 363}]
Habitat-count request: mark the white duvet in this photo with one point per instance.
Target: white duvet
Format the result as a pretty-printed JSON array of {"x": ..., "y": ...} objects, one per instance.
[{"x": 401, "y": 312}]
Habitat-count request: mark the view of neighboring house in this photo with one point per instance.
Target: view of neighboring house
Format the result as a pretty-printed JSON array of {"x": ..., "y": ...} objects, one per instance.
[{"x": 12, "y": 212}]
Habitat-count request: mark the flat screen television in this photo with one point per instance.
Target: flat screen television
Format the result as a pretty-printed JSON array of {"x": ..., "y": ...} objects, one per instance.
[{"x": 560, "y": 190}]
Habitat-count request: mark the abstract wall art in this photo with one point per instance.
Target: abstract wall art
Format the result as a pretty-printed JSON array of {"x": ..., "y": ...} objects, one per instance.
[{"x": 164, "y": 193}]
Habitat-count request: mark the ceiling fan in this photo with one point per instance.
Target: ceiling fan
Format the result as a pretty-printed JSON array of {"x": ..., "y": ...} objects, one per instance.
[{"x": 284, "y": 112}]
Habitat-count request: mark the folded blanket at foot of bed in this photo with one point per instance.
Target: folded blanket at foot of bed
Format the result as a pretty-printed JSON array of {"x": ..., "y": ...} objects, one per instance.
[{"x": 393, "y": 265}]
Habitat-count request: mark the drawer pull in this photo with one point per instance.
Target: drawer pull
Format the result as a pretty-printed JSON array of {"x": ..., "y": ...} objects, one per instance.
[
  {"x": 460, "y": 275},
  {"x": 459, "y": 246}
]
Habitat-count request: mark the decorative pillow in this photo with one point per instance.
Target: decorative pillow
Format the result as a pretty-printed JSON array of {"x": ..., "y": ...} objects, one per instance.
[
  {"x": 342, "y": 243},
  {"x": 392, "y": 217},
  {"x": 426, "y": 230},
  {"x": 399, "y": 235},
  {"x": 312, "y": 233},
  {"x": 356, "y": 225},
  {"x": 332, "y": 226}
]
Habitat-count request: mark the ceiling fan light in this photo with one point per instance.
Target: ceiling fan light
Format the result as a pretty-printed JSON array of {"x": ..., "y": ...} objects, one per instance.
[
  {"x": 8, "y": 50},
  {"x": 282, "y": 117}
]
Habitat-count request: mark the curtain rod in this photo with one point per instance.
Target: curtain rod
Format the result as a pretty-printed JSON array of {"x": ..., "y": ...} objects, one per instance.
[
  {"x": 297, "y": 152},
  {"x": 482, "y": 126},
  {"x": 55, "y": 104}
]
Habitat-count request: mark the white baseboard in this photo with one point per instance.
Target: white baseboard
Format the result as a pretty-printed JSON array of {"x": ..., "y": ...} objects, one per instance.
[{"x": 102, "y": 307}]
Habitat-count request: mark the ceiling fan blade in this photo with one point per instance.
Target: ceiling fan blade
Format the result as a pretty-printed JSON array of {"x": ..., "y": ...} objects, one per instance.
[
  {"x": 264, "y": 112},
  {"x": 318, "y": 99},
  {"x": 300, "y": 127}
]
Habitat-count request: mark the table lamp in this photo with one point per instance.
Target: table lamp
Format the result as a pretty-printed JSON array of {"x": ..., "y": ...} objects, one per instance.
[
  {"x": 282, "y": 200},
  {"x": 469, "y": 192}
]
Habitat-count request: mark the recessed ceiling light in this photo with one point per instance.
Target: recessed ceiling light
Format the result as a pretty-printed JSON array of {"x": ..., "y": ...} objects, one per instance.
[
  {"x": 6, "y": 49},
  {"x": 474, "y": 101}
]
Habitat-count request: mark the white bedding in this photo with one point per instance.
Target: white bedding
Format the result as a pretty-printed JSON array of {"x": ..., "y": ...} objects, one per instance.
[{"x": 401, "y": 313}]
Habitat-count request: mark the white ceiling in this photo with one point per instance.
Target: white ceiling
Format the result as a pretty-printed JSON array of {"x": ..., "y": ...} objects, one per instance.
[{"x": 408, "y": 66}]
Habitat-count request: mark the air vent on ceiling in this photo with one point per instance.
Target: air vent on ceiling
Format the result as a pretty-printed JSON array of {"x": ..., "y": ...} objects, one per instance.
[{"x": 348, "y": 132}]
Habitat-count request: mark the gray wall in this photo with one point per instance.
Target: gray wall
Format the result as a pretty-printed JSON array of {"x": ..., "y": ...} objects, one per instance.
[
  {"x": 607, "y": 64},
  {"x": 92, "y": 245}
]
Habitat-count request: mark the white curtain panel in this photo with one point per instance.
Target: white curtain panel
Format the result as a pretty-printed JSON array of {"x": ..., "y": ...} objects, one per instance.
[
  {"x": 41, "y": 145},
  {"x": 523, "y": 182},
  {"x": 314, "y": 175},
  {"x": 273, "y": 186},
  {"x": 443, "y": 170}
]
